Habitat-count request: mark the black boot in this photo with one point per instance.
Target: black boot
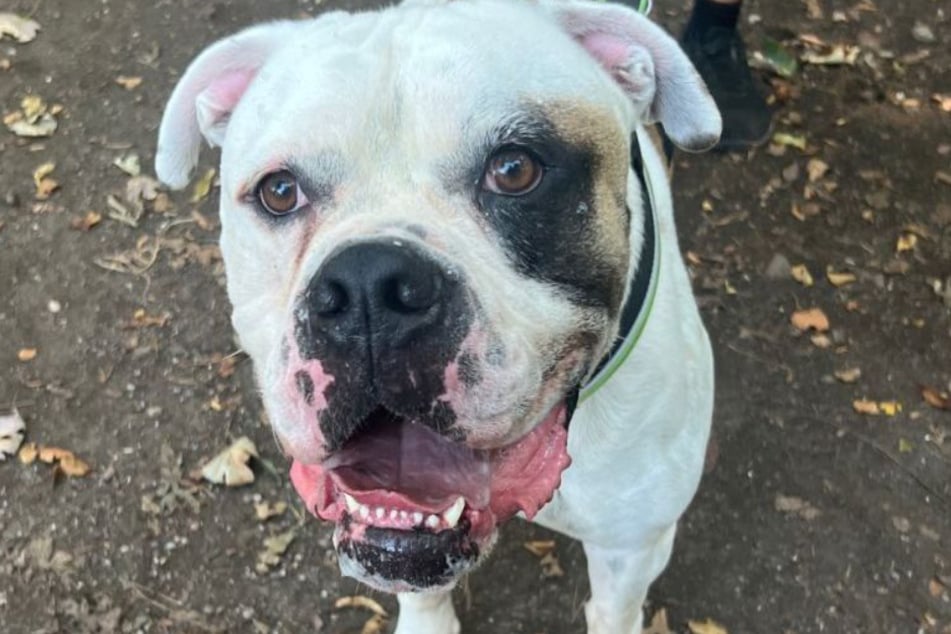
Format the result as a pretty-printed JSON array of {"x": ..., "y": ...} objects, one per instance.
[{"x": 714, "y": 45}]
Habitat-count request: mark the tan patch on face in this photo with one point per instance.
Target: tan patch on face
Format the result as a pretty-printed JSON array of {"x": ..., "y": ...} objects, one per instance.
[{"x": 587, "y": 125}]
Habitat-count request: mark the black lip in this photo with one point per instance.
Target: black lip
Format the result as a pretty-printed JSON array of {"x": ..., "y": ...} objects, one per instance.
[{"x": 418, "y": 558}]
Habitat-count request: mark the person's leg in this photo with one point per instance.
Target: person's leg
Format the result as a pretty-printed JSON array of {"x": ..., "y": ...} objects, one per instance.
[{"x": 712, "y": 42}]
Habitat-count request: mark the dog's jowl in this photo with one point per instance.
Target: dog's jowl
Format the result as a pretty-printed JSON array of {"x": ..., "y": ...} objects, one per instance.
[{"x": 464, "y": 301}]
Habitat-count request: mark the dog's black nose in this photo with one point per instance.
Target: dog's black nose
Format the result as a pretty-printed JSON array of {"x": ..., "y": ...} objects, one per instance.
[{"x": 386, "y": 290}]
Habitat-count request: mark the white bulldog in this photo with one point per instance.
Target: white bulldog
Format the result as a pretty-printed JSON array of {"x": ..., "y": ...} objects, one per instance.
[{"x": 436, "y": 244}]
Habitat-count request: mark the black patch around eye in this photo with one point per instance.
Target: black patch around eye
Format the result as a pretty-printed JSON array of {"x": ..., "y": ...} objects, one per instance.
[{"x": 551, "y": 233}]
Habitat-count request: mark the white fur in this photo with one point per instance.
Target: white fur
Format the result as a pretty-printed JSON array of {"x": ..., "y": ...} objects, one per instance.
[{"x": 380, "y": 100}]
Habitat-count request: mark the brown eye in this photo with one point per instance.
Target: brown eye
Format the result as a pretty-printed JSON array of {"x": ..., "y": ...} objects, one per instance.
[
  {"x": 279, "y": 193},
  {"x": 512, "y": 172}
]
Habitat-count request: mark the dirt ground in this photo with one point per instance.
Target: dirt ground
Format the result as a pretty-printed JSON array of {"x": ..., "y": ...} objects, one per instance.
[{"x": 813, "y": 518}]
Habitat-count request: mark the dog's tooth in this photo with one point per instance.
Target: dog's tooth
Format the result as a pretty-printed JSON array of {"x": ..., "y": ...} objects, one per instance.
[
  {"x": 404, "y": 515},
  {"x": 454, "y": 512},
  {"x": 394, "y": 514},
  {"x": 380, "y": 512},
  {"x": 352, "y": 505},
  {"x": 432, "y": 521},
  {"x": 417, "y": 518},
  {"x": 364, "y": 511}
]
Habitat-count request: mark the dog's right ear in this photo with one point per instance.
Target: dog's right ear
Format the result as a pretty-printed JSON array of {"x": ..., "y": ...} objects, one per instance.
[{"x": 208, "y": 92}]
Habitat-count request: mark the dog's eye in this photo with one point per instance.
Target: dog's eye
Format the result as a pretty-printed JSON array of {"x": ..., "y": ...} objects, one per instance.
[
  {"x": 512, "y": 172},
  {"x": 280, "y": 194}
]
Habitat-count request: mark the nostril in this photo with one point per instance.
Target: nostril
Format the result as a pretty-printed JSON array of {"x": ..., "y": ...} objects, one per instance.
[
  {"x": 329, "y": 299},
  {"x": 412, "y": 294}
]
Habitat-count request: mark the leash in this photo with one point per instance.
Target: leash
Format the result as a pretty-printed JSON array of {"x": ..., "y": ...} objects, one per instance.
[{"x": 640, "y": 297}]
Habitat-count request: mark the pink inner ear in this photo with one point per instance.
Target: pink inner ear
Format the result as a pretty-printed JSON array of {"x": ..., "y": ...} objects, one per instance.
[
  {"x": 610, "y": 50},
  {"x": 224, "y": 93}
]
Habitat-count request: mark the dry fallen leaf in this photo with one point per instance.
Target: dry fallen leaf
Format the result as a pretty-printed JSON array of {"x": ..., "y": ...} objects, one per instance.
[
  {"x": 935, "y": 398},
  {"x": 21, "y": 29},
  {"x": 203, "y": 186},
  {"x": 12, "y": 428},
  {"x": 128, "y": 163},
  {"x": 709, "y": 626},
  {"x": 551, "y": 567},
  {"x": 274, "y": 549},
  {"x": 659, "y": 624},
  {"x": 798, "y": 506},
  {"x": 791, "y": 140},
  {"x": 943, "y": 101},
  {"x": 865, "y": 406},
  {"x": 890, "y": 408},
  {"x": 874, "y": 408},
  {"x": 905, "y": 446},
  {"x": 540, "y": 548},
  {"x": 836, "y": 55},
  {"x": 128, "y": 82},
  {"x": 906, "y": 242},
  {"x": 816, "y": 169},
  {"x": 66, "y": 460},
  {"x": 26, "y": 354},
  {"x": 34, "y": 119},
  {"x": 848, "y": 375},
  {"x": 87, "y": 222},
  {"x": 265, "y": 511},
  {"x": 838, "y": 279},
  {"x": 936, "y": 588},
  {"x": 810, "y": 319},
  {"x": 45, "y": 186},
  {"x": 230, "y": 467},
  {"x": 374, "y": 625},
  {"x": 360, "y": 601},
  {"x": 801, "y": 274}
]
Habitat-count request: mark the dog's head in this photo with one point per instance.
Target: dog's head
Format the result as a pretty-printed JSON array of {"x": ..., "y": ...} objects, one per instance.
[{"x": 428, "y": 228}]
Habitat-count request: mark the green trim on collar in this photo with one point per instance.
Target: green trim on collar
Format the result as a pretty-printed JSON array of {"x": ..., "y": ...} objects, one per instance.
[{"x": 606, "y": 373}]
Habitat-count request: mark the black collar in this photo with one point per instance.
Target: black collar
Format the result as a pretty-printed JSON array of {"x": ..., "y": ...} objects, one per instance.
[{"x": 640, "y": 288}]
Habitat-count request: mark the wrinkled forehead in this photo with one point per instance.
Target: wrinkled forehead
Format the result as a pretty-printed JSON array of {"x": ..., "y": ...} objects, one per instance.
[{"x": 447, "y": 69}]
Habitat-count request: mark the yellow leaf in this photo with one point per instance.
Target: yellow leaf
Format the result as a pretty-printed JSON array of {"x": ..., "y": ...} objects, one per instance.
[
  {"x": 802, "y": 275},
  {"x": 906, "y": 242},
  {"x": 890, "y": 408},
  {"x": 904, "y": 445},
  {"x": 708, "y": 626},
  {"x": 810, "y": 319},
  {"x": 203, "y": 186},
  {"x": 44, "y": 186},
  {"x": 839, "y": 279},
  {"x": 792, "y": 140}
]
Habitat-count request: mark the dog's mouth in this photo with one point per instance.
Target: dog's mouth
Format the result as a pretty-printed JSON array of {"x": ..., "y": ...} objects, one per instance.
[{"x": 414, "y": 509}]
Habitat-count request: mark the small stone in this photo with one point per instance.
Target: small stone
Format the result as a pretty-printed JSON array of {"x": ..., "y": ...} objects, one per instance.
[
  {"x": 923, "y": 33},
  {"x": 54, "y": 306},
  {"x": 779, "y": 268}
]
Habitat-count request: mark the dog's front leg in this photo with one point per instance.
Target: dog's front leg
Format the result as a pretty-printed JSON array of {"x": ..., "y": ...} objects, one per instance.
[
  {"x": 430, "y": 613},
  {"x": 619, "y": 580}
]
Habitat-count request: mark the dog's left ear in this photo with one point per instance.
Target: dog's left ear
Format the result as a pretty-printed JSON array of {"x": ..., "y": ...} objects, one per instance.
[
  {"x": 648, "y": 64},
  {"x": 208, "y": 92}
]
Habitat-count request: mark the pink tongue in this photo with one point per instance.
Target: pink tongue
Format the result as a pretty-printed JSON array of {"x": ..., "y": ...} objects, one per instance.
[{"x": 420, "y": 464}]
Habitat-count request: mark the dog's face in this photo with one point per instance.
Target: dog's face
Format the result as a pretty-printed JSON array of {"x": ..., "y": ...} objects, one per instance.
[{"x": 428, "y": 230}]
